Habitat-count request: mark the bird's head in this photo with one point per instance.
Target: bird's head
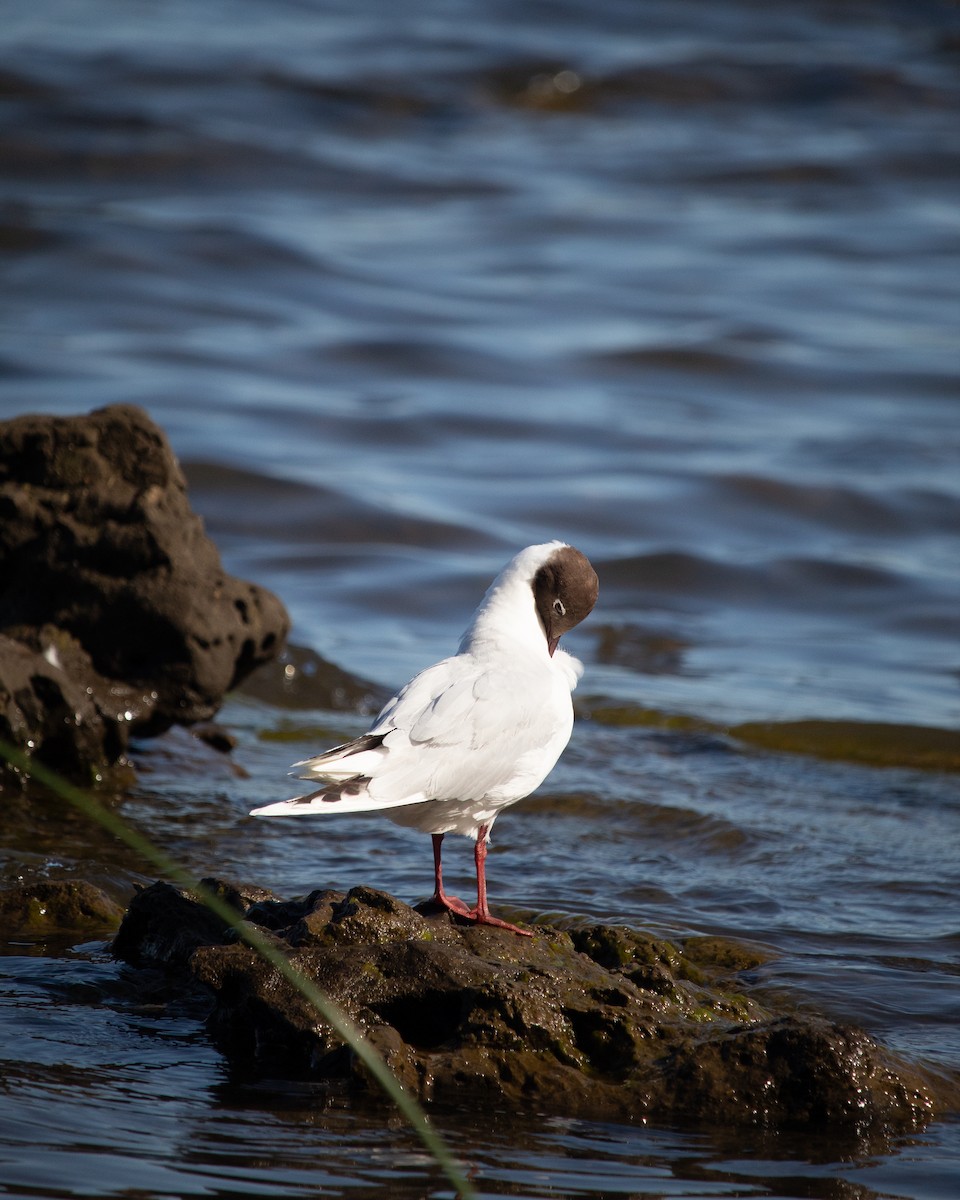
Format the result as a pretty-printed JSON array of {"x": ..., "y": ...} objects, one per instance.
[{"x": 565, "y": 589}]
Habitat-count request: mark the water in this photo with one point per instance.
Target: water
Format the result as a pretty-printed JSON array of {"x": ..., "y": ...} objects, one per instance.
[{"x": 410, "y": 291}]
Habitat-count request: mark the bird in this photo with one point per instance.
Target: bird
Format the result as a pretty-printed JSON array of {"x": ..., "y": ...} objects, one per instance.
[{"x": 475, "y": 732}]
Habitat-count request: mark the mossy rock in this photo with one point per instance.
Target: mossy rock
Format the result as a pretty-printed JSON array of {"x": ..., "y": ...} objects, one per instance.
[
  {"x": 596, "y": 1021},
  {"x": 57, "y": 906}
]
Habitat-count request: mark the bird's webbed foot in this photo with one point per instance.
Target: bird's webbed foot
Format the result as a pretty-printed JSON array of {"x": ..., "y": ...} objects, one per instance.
[
  {"x": 440, "y": 899},
  {"x": 486, "y": 918}
]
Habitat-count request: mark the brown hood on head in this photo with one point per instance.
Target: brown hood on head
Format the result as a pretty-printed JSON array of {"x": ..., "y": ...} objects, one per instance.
[{"x": 565, "y": 589}]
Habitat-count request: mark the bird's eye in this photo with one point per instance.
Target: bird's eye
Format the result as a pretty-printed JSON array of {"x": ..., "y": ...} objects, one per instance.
[{"x": 558, "y": 608}]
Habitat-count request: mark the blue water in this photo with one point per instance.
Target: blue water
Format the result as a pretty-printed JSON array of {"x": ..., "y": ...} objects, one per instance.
[{"x": 408, "y": 290}]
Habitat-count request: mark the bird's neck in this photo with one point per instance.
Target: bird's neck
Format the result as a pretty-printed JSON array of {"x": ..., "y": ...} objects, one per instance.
[{"x": 506, "y": 621}]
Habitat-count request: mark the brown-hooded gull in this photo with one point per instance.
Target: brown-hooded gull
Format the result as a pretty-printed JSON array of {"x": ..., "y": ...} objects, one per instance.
[{"x": 475, "y": 732}]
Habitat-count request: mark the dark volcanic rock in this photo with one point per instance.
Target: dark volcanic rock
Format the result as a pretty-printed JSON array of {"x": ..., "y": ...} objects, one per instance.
[
  {"x": 597, "y": 1020},
  {"x": 116, "y": 615}
]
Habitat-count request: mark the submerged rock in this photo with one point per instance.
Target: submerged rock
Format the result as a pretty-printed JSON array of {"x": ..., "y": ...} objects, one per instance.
[
  {"x": 116, "y": 615},
  {"x": 55, "y": 906},
  {"x": 299, "y": 678},
  {"x": 595, "y": 1020}
]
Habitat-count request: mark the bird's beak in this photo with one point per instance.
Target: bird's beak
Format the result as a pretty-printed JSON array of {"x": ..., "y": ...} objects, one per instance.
[{"x": 552, "y": 644}]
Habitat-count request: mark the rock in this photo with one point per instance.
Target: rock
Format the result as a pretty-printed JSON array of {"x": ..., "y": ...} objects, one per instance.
[
  {"x": 56, "y": 906},
  {"x": 167, "y": 930},
  {"x": 595, "y": 1021},
  {"x": 116, "y": 615},
  {"x": 799, "y": 1072},
  {"x": 47, "y": 689}
]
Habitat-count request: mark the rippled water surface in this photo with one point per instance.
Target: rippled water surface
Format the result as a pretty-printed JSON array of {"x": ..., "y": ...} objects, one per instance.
[{"x": 409, "y": 288}]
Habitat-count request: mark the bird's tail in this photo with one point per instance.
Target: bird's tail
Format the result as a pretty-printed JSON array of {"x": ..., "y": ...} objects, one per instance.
[
  {"x": 347, "y": 796},
  {"x": 362, "y": 756},
  {"x": 345, "y": 774}
]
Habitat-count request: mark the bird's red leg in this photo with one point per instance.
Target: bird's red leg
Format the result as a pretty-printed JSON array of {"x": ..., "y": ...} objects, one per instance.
[
  {"x": 481, "y": 914},
  {"x": 440, "y": 898}
]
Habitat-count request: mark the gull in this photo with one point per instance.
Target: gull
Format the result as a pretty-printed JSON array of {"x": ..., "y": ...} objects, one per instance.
[{"x": 475, "y": 732}]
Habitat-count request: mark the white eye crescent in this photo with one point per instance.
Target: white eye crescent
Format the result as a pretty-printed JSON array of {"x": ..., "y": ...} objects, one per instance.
[{"x": 558, "y": 608}]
